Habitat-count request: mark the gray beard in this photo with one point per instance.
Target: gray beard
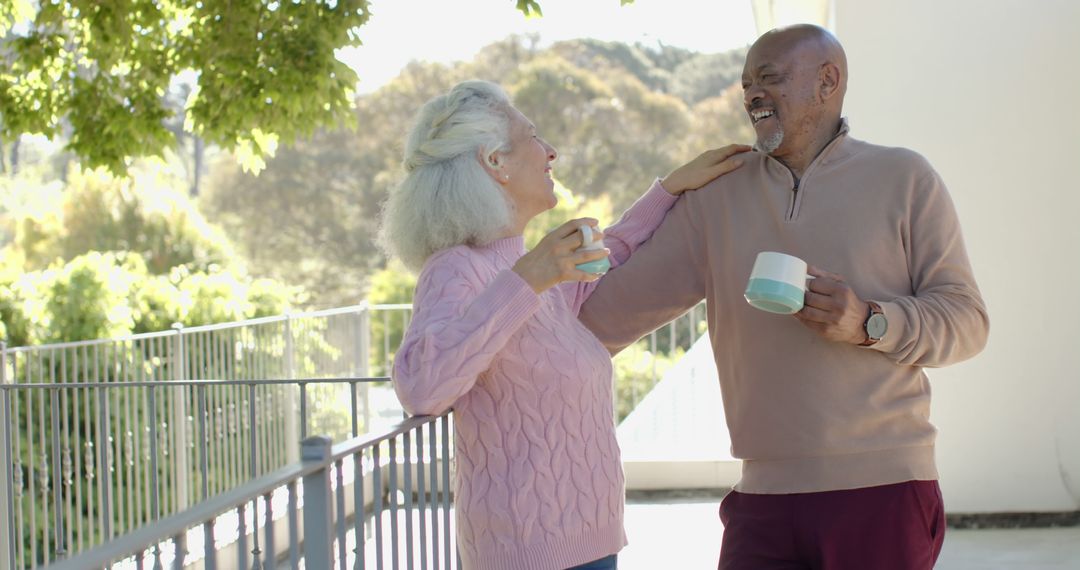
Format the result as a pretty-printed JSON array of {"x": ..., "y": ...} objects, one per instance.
[{"x": 769, "y": 145}]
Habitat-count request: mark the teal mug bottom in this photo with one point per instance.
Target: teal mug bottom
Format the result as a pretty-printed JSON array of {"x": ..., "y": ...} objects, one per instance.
[
  {"x": 598, "y": 266},
  {"x": 774, "y": 296}
]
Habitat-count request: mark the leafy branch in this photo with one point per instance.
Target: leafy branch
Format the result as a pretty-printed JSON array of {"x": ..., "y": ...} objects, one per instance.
[{"x": 99, "y": 71}]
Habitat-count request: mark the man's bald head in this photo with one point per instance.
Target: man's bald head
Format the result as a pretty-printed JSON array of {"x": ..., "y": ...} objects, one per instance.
[
  {"x": 813, "y": 42},
  {"x": 794, "y": 83}
]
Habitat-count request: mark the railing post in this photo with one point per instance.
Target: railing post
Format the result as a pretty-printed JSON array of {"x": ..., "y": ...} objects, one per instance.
[
  {"x": 7, "y": 552},
  {"x": 363, "y": 361},
  {"x": 179, "y": 422},
  {"x": 318, "y": 517},
  {"x": 292, "y": 430}
]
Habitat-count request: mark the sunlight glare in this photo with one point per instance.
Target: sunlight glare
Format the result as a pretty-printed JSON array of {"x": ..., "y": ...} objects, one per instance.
[{"x": 401, "y": 31}]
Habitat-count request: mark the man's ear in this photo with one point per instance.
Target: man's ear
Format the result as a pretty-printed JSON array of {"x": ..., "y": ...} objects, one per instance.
[
  {"x": 828, "y": 80},
  {"x": 492, "y": 163}
]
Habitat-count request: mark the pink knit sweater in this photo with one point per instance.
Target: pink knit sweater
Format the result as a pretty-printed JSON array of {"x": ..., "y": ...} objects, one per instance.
[{"x": 539, "y": 479}]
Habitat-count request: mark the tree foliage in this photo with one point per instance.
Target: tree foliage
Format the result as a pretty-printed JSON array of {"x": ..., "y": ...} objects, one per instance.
[
  {"x": 619, "y": 116},
  {"x": 570, "y": 206},
  {"x": 111, "y": 294},
  {"x": 104, "y": 256},
  {"x": 654, "y": 67},
  {"x": 148, "y": 213},
  {"x": 613, "y": 134},
  {"x": 611, "y": 110},
  {"x": 266, "y": 71}
]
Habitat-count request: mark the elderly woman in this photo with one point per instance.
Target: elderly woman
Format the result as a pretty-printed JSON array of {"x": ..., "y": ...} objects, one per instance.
[{"x": 495, "y": 333}]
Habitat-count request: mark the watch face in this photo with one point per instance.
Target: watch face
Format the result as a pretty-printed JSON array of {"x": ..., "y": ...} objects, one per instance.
[{"x": 876, "y": 326}]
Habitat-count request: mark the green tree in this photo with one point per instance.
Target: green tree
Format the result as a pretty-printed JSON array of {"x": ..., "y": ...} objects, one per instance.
[
  {"x": 391, "y": 285},
  {"x": 266, "y": 71},
  {"x": 148, "y": 213},
  {"x": 87, "y": 298},
  {"x": 570, "y": 206},
  {"x": 613, "y": 134},
  {"x": 15, "y": 324},
  {"x": 105, "y": 256},
  {"x": 310, "y": 217},
  {"x": 156, "y": 304},
  {"x": 500, "y": 61},
  {"x": 721, "y": 120},
  {"x": 108, "y": 295},
  {"x": 650, "y": 66},
  {"x": 637, "y": 370},
  {"x": 707, "y": 75}
]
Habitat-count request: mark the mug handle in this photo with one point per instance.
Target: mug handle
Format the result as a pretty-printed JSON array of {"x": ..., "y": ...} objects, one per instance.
[
  {"x": 586, "y": 235},
  {"x": 806, "y": 284}
]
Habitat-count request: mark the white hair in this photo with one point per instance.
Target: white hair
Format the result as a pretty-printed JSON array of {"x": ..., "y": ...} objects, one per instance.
[{"x": 447, "y": 197}]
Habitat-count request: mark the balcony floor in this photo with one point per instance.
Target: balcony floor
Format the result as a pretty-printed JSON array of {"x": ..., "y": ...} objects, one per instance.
[{"x": 687, "y": 531}]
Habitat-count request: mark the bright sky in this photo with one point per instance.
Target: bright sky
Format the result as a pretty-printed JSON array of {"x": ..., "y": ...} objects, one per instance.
[{"x": 400, "y": 31}]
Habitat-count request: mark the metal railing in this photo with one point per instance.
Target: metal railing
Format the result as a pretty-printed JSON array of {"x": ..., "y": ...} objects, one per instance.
[
  {"x": 365, "y": 503},
  {"x": 100, "y": 437},
  {"x": 119, "y": 488}
]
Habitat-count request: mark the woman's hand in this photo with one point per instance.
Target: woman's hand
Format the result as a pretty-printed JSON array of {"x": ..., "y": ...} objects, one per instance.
[
  {"x": 552, "y": 261},
  {"x": 704, "y": 168}
]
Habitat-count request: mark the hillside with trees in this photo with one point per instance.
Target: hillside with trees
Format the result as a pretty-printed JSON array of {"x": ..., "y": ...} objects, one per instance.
[
  {"x": 619, "y": 115},
  {"x": 300, "y": 233}
]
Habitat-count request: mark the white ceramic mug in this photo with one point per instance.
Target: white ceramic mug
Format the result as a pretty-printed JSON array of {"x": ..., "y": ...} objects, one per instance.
[
  {"x": 777, "y": 283},
  {"x": 599, "y": 266}
]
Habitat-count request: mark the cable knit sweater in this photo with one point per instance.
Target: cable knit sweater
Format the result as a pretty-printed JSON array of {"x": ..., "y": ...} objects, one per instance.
[{"x": 539, "y": 479}]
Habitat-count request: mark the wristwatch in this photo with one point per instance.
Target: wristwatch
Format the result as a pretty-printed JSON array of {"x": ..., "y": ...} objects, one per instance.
[{"x": 875, "y": 325}]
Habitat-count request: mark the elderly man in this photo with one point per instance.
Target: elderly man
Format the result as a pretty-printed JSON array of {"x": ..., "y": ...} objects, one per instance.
[{"x": 828, "y": 409}]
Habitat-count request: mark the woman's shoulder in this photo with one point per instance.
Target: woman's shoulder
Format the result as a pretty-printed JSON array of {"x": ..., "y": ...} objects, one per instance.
[{"x": 460, "y": 262}]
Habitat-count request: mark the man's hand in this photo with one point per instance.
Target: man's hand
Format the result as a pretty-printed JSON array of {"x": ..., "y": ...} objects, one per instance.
[
  {"x": 832, "y": 309},
  {"x": 703, "y": 169}
]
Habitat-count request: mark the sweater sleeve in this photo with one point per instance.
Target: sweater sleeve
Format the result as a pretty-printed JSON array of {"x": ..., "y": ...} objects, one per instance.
[
  {"x": 634, "y": 228},
  {"x": 458, "y": 327},
  {"x": 945, "y": 321},
  {"x": 663, "y": 279}
]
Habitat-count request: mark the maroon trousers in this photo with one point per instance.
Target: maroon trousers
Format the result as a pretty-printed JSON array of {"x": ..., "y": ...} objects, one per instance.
[{"x": 899, "y": 526}]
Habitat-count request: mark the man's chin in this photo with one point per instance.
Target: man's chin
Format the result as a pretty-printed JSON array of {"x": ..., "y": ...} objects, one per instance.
[{"x": 768, "y": 143}]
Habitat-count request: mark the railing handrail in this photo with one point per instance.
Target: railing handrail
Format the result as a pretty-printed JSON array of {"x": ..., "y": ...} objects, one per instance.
[
  {"x": 166, "y": 528},
  {"x": 213, "y": 327},
  {"x": 391, "y": 306},
  {"x": 279, "y": 318},
  {"x": 179, "y": 523},
  {"x": 92, "y": 342},
  {"x": 354, "y": 445},
  {"x": 180, "y": 383}
]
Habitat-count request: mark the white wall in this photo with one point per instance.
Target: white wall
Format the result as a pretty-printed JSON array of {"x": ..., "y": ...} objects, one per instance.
[{"x": 989, "y": 92}]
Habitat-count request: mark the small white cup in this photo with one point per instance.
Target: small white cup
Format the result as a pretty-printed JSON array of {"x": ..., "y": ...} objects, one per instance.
[
  {"x": 777, "y": 283},
  {"x": 599, "y": 266}
]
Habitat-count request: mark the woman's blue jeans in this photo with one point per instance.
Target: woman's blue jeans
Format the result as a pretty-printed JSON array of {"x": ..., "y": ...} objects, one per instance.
[{"x": 606, "y": 563}]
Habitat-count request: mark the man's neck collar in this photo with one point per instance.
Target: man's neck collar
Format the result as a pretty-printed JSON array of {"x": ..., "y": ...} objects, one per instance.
[{"x": 842, "y": 129}]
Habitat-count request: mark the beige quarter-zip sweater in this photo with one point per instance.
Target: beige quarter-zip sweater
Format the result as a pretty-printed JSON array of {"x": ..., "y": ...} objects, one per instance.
[{"x": 806, "y": 414}]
